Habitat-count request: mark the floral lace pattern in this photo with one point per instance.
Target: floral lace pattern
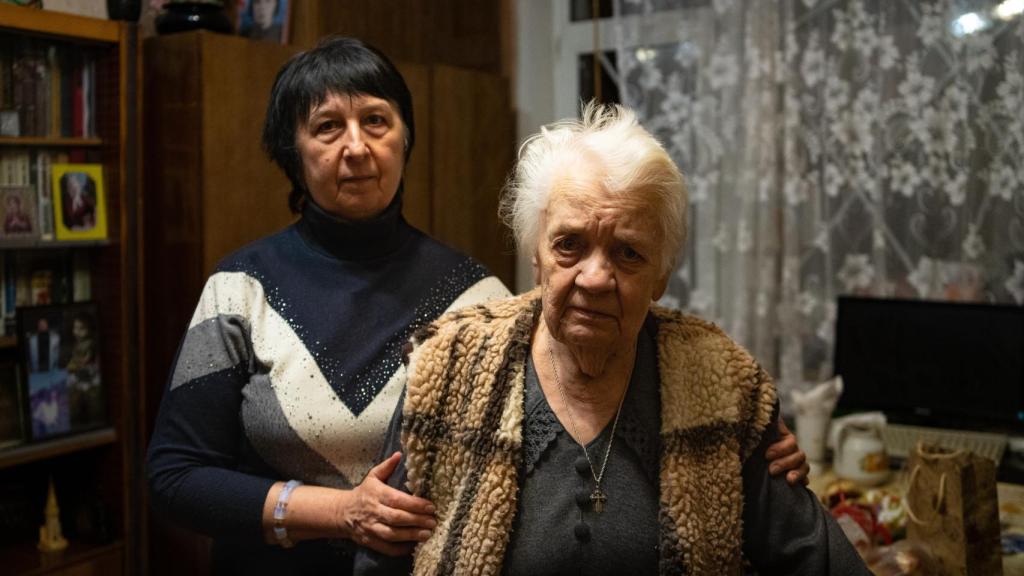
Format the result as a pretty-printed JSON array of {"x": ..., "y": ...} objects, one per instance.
[
  {"x": 834, "y": 147},
  {"x": 541, "y": 428}
]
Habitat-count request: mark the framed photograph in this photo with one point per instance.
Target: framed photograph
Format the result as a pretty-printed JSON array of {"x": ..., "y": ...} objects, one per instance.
[
  {"x": 18, "y": 212},
  {"x": 9, "y": 125},
  {"x": 79, "y": 203},
  {"x": 12, "y": 406},
  {"x": 264, "y": 19},
  {"x": 61, "y": 362}
]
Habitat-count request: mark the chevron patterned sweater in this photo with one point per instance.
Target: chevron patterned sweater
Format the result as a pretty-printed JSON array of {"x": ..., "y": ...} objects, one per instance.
[{"x": 291, "y": 368}]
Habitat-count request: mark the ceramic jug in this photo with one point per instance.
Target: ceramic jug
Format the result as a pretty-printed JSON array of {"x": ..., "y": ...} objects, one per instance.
[{"x": 860, "y": 454}]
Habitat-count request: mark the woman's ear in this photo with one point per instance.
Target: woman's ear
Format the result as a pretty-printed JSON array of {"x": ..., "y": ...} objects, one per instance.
[
  {"x": 535, "y": 263},
  {"x": 660, "y": 286}
]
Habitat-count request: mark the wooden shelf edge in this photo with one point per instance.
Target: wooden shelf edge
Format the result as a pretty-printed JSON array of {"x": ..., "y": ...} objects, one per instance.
[
  {"x": 19, "y": 244},
  {"x": 26, "y": 560},
  {"x": 34, "y": 451},
  {"x": 70, "y": 26},
  {"x": 49, "y": 141}
]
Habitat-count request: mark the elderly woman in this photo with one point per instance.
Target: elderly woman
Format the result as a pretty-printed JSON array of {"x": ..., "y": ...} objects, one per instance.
[
  {"x": 578, "y": 429},
  {"x": 291, "y": 367}
]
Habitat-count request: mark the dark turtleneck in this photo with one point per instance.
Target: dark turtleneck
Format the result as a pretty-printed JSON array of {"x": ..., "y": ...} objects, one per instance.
[
  {"x": 376, "y": 277},
  {"x": 368, "y": 239}
]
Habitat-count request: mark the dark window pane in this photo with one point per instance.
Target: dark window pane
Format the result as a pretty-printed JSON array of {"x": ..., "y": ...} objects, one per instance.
[
  {"x": 630, "y": 8},
  {"x": 583, "y": 10},
  {"x": 609, "y": 89}
]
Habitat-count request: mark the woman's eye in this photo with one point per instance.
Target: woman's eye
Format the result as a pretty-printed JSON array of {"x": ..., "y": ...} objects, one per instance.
[
  {"x": 376, "y": 120},
  {"x": 326, "y": 126},
  {"x": 630, "y": 255},
  {"x": 568, "y": 244}
]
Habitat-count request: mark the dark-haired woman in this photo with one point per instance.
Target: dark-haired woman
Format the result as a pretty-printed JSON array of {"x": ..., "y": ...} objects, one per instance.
[{"x": 290, "y": 370}]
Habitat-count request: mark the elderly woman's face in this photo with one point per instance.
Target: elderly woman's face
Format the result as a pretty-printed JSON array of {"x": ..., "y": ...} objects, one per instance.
[
  {"x": 599, "y": 262},
  {"x": 352, "y": 150}
]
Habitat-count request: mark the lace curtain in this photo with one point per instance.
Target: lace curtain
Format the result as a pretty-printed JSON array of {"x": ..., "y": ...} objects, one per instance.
[{"x": 834, "y": 147}]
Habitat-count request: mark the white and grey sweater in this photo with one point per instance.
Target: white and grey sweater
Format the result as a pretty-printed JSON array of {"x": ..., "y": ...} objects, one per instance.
[{"x": 291, "y": 365}]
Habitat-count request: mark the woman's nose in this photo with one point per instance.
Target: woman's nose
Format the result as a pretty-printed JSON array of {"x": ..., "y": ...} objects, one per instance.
[
  {"x": 596, "y": 274},
  {"x": 353, "y": 144}
]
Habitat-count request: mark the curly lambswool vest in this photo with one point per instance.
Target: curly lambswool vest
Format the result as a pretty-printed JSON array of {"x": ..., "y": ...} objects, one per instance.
[{"x": 463, "y": 421}]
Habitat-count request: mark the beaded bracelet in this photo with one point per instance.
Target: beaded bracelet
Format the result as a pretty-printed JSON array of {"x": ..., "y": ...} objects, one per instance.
[{"x": 280, "y": 532}]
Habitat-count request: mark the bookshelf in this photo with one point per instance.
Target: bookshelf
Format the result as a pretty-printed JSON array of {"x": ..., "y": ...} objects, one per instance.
[{"x": 68, "y": 95}]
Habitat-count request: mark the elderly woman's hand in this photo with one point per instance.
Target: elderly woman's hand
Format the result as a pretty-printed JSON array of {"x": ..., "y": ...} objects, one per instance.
[
  {"x": 787, "y": 457},
  {"x": 383, "y": 518}
]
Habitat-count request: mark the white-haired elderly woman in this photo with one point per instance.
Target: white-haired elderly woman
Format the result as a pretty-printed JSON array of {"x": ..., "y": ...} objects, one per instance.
[{"x": 578, "y": 428}]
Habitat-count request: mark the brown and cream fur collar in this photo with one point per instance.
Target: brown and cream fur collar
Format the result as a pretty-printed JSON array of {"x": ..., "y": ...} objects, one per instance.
[{"x": 463, "y": 421}]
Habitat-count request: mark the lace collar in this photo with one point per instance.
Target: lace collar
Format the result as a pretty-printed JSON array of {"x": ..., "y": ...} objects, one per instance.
[{"x": 639, "y": 423}]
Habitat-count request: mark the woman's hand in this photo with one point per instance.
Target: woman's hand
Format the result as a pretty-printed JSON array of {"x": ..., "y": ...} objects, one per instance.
[
  {"x": 383, "y": 518},
  {"x": 786, "y": 456}
]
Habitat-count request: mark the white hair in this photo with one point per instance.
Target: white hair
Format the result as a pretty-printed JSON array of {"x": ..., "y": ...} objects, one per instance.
[{"x": 629, "y": 161}]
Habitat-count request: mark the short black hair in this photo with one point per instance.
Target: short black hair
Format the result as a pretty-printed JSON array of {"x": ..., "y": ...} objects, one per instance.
[{"x": 338, "y": 65}]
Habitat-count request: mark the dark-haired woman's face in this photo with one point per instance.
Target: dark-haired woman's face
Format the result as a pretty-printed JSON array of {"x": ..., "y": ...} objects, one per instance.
[{"x": 352, "y": 150}]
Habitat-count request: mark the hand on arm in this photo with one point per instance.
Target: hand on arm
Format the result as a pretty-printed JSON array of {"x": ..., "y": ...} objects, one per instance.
[
  {"x": 372, "y": 514},
  {"x": 786, "y": 457}
]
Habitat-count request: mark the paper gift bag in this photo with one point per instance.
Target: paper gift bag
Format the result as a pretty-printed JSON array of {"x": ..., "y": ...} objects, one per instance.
[{"x": 954, "y": 511}]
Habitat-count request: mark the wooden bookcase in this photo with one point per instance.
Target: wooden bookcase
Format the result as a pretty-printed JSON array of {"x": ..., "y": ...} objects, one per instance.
[{"x": 96, "y": 472}]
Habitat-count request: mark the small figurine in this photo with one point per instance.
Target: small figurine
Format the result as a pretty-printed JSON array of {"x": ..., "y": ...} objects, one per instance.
[{"x": 50, "y": 537}]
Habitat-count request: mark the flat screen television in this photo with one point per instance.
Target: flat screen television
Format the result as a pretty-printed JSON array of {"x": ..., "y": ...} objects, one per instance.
[{"x": 942, "y": 364}]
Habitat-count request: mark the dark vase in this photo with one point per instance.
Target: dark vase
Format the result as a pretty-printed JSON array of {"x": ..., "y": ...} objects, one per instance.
[
  {"x": 185, "y": 16},
  {"x": 124, "y": 9}
]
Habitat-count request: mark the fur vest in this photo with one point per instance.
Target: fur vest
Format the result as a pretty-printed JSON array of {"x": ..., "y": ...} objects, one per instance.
[{"x": 463, "y": 421}]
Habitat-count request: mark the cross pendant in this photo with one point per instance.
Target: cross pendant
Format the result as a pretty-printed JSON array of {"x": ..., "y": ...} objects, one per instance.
[{"x": 598, "y": 498}]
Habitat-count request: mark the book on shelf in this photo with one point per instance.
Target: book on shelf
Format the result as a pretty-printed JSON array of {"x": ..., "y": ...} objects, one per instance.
[
  {"x": 56, "y": 70},
  {"x": 81, "y": 277},
  {"x": 9, "y": 121},
  {"x": 44, "y": 191},
  {"x": 15, "y": 168},
  {"x": 10, "y": 293},
  {"x": 38, "y": 278},
  {"x": 50, "y": 87}
]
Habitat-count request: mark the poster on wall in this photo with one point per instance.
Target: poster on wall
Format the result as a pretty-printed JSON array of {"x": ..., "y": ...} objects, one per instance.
[{"x": 264, "y": 20}]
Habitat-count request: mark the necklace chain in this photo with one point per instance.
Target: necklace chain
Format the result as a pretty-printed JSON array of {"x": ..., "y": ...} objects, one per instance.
[{"x": 598, "y": 476}]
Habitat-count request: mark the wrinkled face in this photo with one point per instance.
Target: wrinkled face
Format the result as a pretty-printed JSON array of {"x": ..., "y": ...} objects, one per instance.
[
  {"x": 263, "y": 12},
  {"x": 352, "y": 150},
  {"x": 599, "y": 265}
]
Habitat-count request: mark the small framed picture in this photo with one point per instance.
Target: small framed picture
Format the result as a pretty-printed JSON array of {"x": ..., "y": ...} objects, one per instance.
[
  {"x": 79, "y": 205},
  {"x": 9, "y": 125},
  {"x": 18, "y": 212},
  {"x": 12, "y": 406},
  {"x": 62, "y": 365},
  {"x": 264, "y": 19},
  {"x": 79, "y": 202}
]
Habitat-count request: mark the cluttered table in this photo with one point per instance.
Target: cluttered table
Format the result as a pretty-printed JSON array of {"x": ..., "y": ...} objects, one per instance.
[{"x": 889, "y": 519}]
